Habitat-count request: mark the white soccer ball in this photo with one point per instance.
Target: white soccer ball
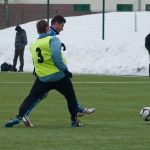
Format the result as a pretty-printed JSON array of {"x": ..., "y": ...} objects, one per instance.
[{"x": 145, "y": 113}]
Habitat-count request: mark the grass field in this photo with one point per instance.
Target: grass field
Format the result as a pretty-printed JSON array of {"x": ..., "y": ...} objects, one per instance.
[{"x": 116, "y": 124}]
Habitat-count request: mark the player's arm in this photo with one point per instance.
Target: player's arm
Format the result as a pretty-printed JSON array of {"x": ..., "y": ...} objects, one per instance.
[{"x": 55, "y": 46}]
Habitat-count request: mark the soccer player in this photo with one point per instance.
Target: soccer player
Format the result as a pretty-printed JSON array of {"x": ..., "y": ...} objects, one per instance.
[
  {"x": 52, "y": 73},
  {"x": 55, "y": 29}
]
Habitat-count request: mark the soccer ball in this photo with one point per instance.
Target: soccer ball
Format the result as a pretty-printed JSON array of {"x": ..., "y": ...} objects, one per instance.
[{"x": 145, "y": 113}]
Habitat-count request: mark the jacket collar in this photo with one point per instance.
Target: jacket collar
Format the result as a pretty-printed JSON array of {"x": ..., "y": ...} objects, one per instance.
[
  {"x": 42, "y": 35},
  {"x": 56, "y": 32}
]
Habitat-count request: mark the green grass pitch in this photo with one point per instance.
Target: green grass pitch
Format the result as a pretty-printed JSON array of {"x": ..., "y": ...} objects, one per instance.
[{"x": 116, "y": 124}]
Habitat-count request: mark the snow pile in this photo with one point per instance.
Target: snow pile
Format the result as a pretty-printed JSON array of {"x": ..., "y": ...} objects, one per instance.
[{"x": 121, "y": 53}]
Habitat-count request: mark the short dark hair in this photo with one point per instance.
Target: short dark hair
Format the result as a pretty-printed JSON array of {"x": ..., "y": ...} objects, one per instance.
[
  {"x": 41, "y": 26},
  {"x": 59, "y": 19}
]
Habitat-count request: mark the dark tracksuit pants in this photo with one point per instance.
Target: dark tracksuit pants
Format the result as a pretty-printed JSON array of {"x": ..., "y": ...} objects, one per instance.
[
  {"x": 19, "y": 53},
  {"x": 64, "y": 86}
]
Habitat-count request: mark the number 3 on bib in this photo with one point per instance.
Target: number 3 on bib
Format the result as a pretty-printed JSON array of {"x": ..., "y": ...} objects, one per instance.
[{"x": 40, "y": 57}]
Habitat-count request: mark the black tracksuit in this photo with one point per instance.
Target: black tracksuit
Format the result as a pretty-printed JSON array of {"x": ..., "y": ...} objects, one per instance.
[
  {"x": 63, "y": 86},
  {"x": 20, "y": 42}
]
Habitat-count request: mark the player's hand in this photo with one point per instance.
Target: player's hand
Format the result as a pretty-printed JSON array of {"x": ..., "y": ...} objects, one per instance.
[
  {"x": 63, "y": 46},
  {"x": 34, "y": 73},
  {"x": 68, "y": 74}
]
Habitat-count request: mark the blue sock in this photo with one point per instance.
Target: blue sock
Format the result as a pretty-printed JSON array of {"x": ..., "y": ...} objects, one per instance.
[{"x": 80, "y": 108}]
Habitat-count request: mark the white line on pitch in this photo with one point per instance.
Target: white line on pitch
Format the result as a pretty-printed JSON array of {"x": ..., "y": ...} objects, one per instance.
[{"x": 107, "y": 82}]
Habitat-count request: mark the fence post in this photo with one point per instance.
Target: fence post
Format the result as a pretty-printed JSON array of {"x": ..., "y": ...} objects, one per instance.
[
  {"x": 139, "y": 5},
  {"x": 103, "y": 22},
  {"x": 135, "y": 21},
  {"x": 48, "y": 15},
  {"x": 6, "y": 12},
  {"x": 22, "y": 14}
]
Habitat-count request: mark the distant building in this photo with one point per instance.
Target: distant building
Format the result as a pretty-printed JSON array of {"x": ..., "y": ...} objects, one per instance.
[{"x": 13, "y": 12}]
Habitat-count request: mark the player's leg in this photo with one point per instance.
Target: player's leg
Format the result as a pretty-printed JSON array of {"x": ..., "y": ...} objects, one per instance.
[
  {"x": 38, "y": 89},
  {"x": 65, "y": 87},
  {"x": 81, "y": 111},
  {"x": 84, "y": 111},
  {"x": 35, "y": 103},
  {"x": 25, "y": 118}
]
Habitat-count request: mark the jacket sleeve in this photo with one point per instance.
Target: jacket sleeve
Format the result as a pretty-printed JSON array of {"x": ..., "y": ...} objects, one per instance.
[
  {"x": 55, "y": 47},
  {"x": 24, "y": 39}
]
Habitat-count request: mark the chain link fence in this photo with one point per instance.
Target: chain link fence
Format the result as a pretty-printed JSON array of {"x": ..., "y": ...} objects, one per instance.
[{"x": 14, "y": 12}]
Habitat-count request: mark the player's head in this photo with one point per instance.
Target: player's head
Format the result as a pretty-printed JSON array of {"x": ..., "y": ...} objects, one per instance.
[
  {"x": 58, "y": 22},
  {"x": 42, "y": 26}
]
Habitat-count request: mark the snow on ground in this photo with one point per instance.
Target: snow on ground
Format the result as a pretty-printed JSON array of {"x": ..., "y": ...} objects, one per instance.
[{"x": 121, "y": 53}]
